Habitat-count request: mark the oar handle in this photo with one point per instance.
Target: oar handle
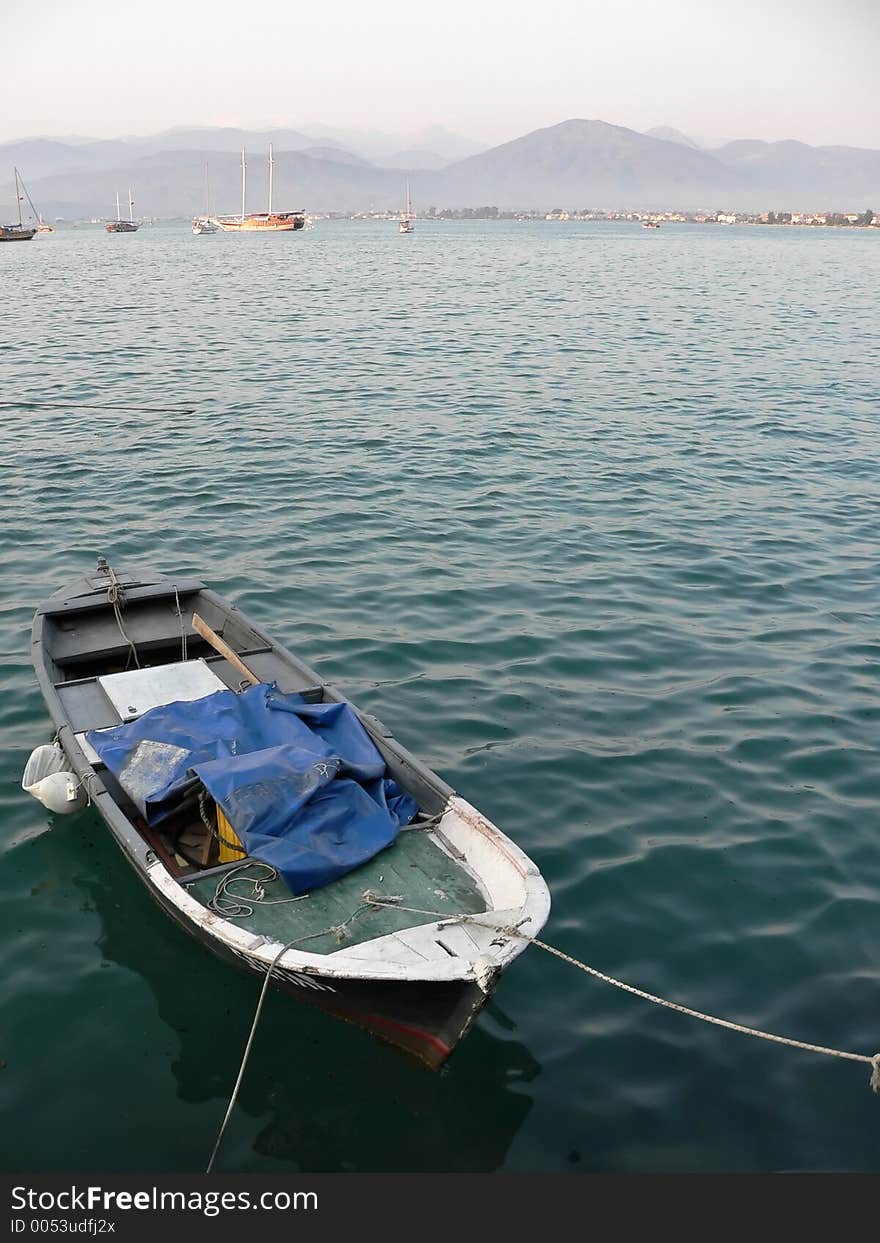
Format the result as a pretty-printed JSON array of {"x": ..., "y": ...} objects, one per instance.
[{"x": 221, "y": 646}]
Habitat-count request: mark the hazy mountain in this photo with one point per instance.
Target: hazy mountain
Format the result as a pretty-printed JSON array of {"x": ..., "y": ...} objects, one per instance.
[
  {"x": 668, "y": 134},
  {"x": 172, "y": 183},
  {"x": 215, "y": 138},
  {"x": 377, "y": 146},
  {"x": 576, "y": 164},
  {"x": 337, "y": 154},
  {"x": 590, "y": 163},
  {"x": 415, "y": 159},
  {"x": 449, "y": 146},
  {"x": 35, "y": 157},
  {"x": 798, "y": 174}
]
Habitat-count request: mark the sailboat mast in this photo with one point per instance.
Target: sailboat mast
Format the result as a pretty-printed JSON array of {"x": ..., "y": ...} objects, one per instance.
[
  {"x": 408, "y": 204},
  {"x": 130, "y": 206},
  {"x": 207, "y": 194},
  {"x": 18, "y": 197},
  {"x": 243, "y": 177},
  {"x": 118, "y": 212},
  {"x": 271, "y": 167}
]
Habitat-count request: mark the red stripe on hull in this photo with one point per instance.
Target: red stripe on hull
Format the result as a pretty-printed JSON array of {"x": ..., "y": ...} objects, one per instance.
[{"x": 372, "y": 1022}]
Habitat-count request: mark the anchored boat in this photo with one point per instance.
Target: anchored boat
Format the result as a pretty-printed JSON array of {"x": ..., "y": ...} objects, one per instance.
[
  {"x": 407, "y": 220},
  {"x": 276, "y": 823},
  {"x": 119, "y": 225},
  {"x": 41, "y": 226},
  {"x": 268, "y": 221},
  {"x": 207, "y": 223},
  {"x": 17, "y": 232}
]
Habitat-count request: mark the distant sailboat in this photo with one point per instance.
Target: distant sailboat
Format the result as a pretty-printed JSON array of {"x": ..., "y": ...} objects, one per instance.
[
  {"x": 268, "y": 221},
  {"x": 16, "y": 232},
  {"x": 42, "y": 227},
  {"x": 206, "y": 223},
  {"x": 407, "y": 220},
  {"x": 119, "y": 225}
]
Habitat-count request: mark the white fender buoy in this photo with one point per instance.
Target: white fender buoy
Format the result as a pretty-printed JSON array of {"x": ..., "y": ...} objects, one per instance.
[{"x": 48, "y": 778}]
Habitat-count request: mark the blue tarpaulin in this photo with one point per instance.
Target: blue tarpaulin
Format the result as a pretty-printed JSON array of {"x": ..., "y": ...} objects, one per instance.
[{"x": 303, "y": 785}]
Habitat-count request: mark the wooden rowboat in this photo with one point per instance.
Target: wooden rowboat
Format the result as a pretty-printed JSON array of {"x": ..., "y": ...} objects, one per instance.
[{"x": 409, "y": 945}]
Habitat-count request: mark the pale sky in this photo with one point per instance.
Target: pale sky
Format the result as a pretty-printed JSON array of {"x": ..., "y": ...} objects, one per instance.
[{"x": 490, "y": 70}]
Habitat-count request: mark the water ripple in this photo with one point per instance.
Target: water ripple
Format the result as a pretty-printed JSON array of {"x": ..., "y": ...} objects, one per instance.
[{"x": 593, "y": 525}]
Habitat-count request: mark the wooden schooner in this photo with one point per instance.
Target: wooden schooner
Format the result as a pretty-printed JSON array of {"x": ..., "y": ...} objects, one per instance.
[
  {"x": 268, "y": 221},
  {"x": 119, "y": 225}
]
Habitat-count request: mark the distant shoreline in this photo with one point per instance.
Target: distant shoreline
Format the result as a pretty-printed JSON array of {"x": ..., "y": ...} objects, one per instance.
[
  {"x": 853, "y": 220},
  {"x": 812, "y": 220}
]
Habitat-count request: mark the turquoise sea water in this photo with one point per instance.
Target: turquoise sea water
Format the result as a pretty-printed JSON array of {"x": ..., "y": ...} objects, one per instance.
[{"x": 590, "y": 516}]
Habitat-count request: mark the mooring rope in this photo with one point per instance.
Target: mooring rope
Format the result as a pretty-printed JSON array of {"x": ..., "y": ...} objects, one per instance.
[
  {"x": 444, "y": 919},
  {"x": 182, "y": 625},
  {"x": 116, "y": 597},
  {"x": 340, "y": 931},
  {"x": 246, "y": 1055},
  {"x": 507, "y": 930},
  {"x": 83, "y": 783}
]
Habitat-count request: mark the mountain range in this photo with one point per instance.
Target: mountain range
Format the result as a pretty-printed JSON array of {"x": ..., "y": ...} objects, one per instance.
[{"x": 575, "y": 165}]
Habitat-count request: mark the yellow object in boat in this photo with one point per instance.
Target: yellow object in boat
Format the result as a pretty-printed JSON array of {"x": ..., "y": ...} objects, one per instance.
[{"x": 228, "y": 834}]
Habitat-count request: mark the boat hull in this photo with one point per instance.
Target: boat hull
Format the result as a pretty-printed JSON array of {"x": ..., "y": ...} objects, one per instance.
[
  {"x": 424, "y": 1018},
  {"x": 277, "y": 222},
  {"x": 121, "y": 226},
  {"x": 12, "y": 233}
]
